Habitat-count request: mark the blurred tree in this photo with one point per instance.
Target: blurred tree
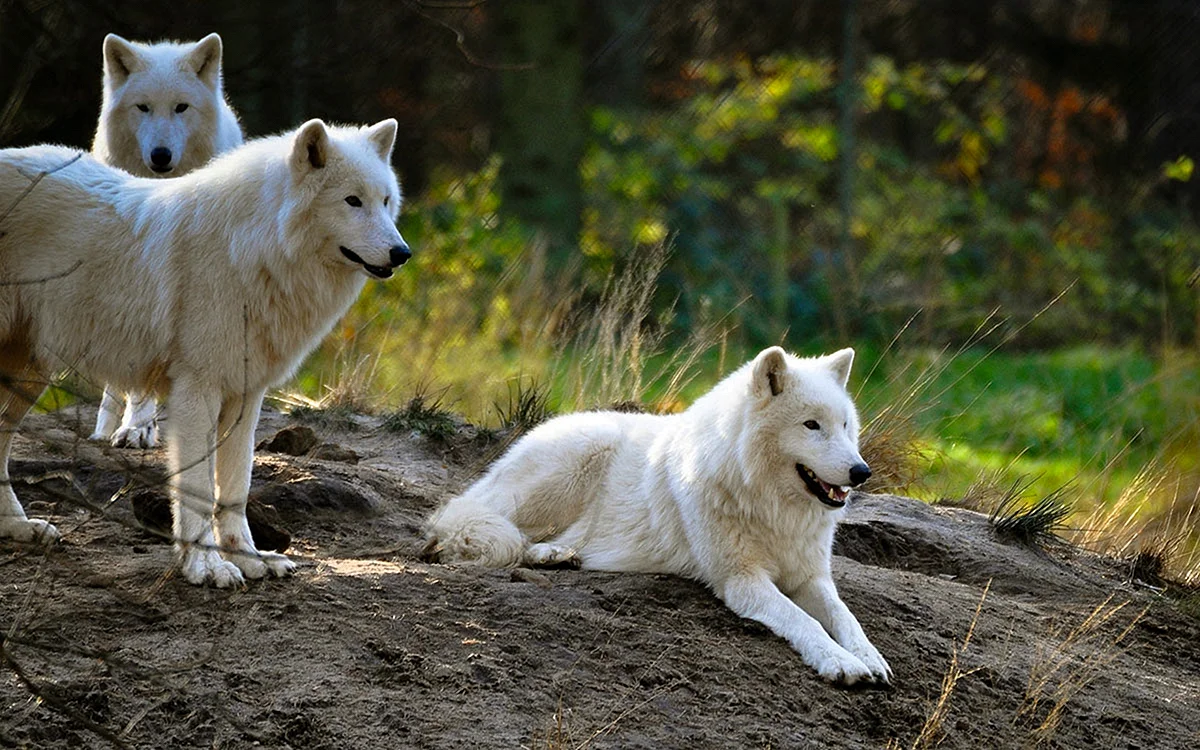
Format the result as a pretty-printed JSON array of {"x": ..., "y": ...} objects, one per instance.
[{"x": 539, "y": 130}]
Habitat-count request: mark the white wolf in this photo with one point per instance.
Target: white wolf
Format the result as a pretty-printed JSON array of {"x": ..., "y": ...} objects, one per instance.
[
  {"x": 209, "y": 288},
  {"x": 163, "y": 114},
  {"x": 741, "y": 491}
]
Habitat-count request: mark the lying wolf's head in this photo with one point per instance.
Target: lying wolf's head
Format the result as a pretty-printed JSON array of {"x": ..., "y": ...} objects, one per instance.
[
  {"x": 343, "y": 178},
  {"x": 162, "y": 103},
  {"x": 806, "y": 414}
]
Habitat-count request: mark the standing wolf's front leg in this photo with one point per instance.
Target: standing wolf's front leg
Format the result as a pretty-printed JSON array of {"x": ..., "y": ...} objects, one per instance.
[
  {"x": 235, "y": 460},
  {"x": 818, "y": 596},
  {"x": 191, "y": 438}
]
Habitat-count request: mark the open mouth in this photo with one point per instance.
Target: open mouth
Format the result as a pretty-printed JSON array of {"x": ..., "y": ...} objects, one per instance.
[
  {"x": 830, "y": 494},
  {"x": 379, "y": 272}
]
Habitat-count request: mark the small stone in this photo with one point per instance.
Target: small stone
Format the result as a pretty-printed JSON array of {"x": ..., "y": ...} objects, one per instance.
[
  {"x": 334, "y": 452},
  {"x": 294, "y": 440},
  {"x": 525, "y": 575}
]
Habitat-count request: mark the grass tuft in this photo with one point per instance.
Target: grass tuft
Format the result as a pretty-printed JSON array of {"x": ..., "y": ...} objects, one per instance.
[
  {"x": 528, "y": 406},
  {"x": 1037, "y": 524},
  {"x": 423, "y": 415}
]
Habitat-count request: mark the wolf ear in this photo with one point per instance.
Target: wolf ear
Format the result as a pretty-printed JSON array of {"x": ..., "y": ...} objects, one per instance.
[
  {"x": 382, "y": 136},
  {"x": 770, "y": 372},
  {"x": 839, "y": 364},
  {"x": 310, "y": 148},
  {"x": 120, "y": 59},
  {"x": 204, "y": 60}
]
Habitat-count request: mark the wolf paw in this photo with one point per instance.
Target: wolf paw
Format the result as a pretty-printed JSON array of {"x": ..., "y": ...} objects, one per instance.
[
  {"x": 101, "y": 436},
  {"x": 552, "y": 556},
  {"x": 881, "y": 673},
  {"x": 201, "y": 566},
  {"x": 842, "y": 668},
  {"x": 135, "y": 436},
  {"x": 28, "y": 530},
  {"x": 256, "y": 564}
]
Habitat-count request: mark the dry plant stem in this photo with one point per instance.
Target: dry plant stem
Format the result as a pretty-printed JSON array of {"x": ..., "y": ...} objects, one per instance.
[{"x": 931, "y": 731}]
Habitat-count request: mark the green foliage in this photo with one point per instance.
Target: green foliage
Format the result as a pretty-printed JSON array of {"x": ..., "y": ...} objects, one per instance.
[{"x": 742, "y": 175}]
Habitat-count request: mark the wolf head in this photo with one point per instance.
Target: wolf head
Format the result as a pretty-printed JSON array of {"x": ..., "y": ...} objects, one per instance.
[
  {"x": 161, "y": 104},
  {"x": 344, "y": 177},
  {"x": 809, "y": 422}
]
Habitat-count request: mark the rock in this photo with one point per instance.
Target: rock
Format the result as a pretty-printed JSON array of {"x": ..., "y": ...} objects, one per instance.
[
  {"x": 294, "y": 440},
  {"x": 334, "y": 452}
]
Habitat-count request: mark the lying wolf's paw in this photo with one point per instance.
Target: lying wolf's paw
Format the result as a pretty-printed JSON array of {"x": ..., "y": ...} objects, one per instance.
[
  {"x": 28, "y": 530},
  {"x": 257, "y": 564},
  {"x": 135, "y": 436},
  {"x": 841, "y": 667},
  {"x": 547, "y": 555},
  {"x": 881, "y": 673},
  {"x": 201, "y": 566}
]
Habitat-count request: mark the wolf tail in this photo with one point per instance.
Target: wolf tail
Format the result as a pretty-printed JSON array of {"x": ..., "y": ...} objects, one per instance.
[{"x": 465, "y": 530}]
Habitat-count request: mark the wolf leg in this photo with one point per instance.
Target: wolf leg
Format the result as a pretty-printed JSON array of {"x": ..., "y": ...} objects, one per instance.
[
  {"x": 139, "y": 425},
  {"x": 754, "y": 595},
  {"x": 108, "y": 417},
  {"x": 235, "y": 460},
  {"x": 191, "y": 437},
  {"x": 818, "y": 596},
  {"x": 18, "y": 391}
]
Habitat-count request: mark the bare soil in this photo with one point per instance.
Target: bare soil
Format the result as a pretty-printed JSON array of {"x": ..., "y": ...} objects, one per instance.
[{"x": 368, "y": 647}]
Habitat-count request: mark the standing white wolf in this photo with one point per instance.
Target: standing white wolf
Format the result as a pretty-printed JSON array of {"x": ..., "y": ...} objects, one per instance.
[
  {"x": 208, "y": 288},
  {"x": 741, "y": 491},
  {"x": 163, "y": 115}
]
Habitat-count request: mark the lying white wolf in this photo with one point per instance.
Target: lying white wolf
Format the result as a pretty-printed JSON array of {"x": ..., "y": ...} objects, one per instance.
[
  {"x": 209, "y": 287},
  {"x": 741, "y": 491},
  {"x": 163, "y": 115}
]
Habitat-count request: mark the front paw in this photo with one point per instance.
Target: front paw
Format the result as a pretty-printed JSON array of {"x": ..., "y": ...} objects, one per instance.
[
  {"x": 840, "y": 667},
  {"x": 136, "y": 436},
  {"x": 202, "y": 565},
  {"x": 881, "y": 673},
  {"x": 257, "y": 564},
  {"x": 29, "y": 530}
]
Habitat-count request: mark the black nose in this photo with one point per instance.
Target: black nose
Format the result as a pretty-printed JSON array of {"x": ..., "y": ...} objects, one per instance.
[
  {"x": 160, "y": 157},
  {"x": 859, "y": 473},
  {"x": 399, "y": 254}
]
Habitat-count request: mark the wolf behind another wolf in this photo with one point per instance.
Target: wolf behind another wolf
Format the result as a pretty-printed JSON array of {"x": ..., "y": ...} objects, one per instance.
[
  {"x": 742, "y": 491},
  {"x": 209, "y": 287},
  {"x": 163, "y": 114}
]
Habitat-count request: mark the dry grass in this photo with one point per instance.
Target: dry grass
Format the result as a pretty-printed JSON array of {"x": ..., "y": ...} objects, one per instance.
[
  {"x": 1076, "y": 656},
  {"x": 932, "y": 731},
  {"x": 1161, "y": 545},
  {"x": 619, "y": 352}
]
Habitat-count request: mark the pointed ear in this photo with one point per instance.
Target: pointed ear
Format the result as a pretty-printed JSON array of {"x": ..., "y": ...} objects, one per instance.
[
  {"x": 204, "y": 60},
  {"x": 770, "y": 373},
  {"x": 120, "y": 59},
  {"x": 310, "y": 147},
  {"x": 382, "y": 136},
  {"x": 839, "y": 364}
]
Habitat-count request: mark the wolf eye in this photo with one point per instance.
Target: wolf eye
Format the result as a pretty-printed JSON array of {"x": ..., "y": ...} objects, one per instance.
[
  {"x": 143, "y": 107},
  {"x": 181, "y": 107},
  {"x": 812, "y": 424},
  {"x": 354, "y": 201},
  {"x": 385, "y": 200}
]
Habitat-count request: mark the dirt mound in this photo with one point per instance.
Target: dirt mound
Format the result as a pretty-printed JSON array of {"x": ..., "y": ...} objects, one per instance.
[{"x": 366, "y": 647}]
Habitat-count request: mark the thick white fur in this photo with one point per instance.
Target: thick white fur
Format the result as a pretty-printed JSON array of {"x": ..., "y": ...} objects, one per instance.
[
  {"x": 209, "y": 287},
  {"x": 712, "y": 493},
  {"x": 160, "y": 78}
]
